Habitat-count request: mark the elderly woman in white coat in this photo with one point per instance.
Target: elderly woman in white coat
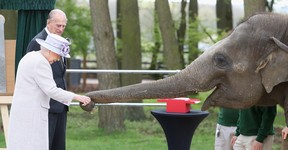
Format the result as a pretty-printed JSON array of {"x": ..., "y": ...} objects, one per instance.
[{"x": 28, "y": 127}]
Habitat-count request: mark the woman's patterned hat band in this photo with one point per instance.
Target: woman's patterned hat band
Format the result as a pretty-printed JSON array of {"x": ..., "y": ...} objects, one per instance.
[{"x": 65, "y": 49}]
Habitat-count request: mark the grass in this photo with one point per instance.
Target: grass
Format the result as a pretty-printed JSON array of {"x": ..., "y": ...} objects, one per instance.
[{"x": 83, "y": 132}]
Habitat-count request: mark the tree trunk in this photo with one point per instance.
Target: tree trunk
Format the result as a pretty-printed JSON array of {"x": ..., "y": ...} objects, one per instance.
[
  {"x": 270, "y": 5},
  {"x": 170, "y": 44},
  {"x": 84, "y": 75},
  {"x": 156, "y": 48},
  {"x": 193, "y": 27},
  {"x": 224, "y": 15},
  {"x": 131, "y": 51},
  {"x": 181, "y": 32},
  {"x": 119, "y": 33},
  {"x": 110, "y": 118},
  {"x": 252, "y": 6}
]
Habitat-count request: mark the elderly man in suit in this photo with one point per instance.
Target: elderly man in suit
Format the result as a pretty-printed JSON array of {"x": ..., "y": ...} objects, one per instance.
[{"x": 56, "y": 24}]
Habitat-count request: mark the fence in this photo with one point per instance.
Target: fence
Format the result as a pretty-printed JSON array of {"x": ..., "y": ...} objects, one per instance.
[{"x": 123, "y": 71}]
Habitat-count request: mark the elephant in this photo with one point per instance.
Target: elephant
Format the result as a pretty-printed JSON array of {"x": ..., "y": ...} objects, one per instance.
[{"x": 248, "y": 67}]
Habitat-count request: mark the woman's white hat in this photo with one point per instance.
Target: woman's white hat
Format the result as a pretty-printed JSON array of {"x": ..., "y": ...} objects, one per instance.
[{"x": 56, "y": 44}]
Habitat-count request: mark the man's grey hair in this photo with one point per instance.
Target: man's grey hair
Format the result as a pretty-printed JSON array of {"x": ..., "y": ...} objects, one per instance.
[{"x": 56, "y": 12}]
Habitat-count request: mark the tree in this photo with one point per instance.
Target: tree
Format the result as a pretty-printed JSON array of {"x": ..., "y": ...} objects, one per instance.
[
  {"x": 110, "y": 118},
  {"x": 130, "y": 50},
  {"x": 252, "y": 6},
  {"x": 193, "y": 33},
  {"x": 224, "y": 15},
  {"x": 156, "y": 46},
  {"x": 181, "y": 32},
  {"x": 172, "y": 58},
  {"x": 270, "y": 5}
]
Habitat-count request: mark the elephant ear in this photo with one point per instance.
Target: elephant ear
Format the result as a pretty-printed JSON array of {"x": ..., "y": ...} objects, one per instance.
[{"x": 274, "y": 67}]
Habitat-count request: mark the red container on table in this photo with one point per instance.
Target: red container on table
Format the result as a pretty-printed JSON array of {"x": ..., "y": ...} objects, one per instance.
[{"x": 179, "y": 105}]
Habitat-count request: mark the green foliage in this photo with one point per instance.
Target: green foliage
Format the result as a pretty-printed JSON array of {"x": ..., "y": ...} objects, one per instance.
[
  {"x": 194, "y": 36},
  {"x": 79, "y": 26},
  {"x": 195, "y": 31},
  {"x": 147, "y": 46}
]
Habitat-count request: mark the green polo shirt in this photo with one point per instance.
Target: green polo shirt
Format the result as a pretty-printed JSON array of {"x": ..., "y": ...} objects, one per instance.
[
  {"x": 228, "y": 117},
  {"x": 257, "y": 121}
]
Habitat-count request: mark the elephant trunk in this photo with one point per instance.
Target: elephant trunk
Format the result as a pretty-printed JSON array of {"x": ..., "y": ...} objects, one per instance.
[
  {"x": 190, "y": 80},
  {"x": 165, "y": 88}
]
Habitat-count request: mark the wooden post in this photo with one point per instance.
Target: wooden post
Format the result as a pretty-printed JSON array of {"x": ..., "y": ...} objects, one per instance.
[{"x": 5, "y": 101}]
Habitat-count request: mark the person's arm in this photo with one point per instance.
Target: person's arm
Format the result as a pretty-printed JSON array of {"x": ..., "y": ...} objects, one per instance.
[
  {"x": 237, "y": 131},
  {"x": 44, "y": 79},
  {"x": 285, "y": 129},
  {"x": 268, "y": 117}
]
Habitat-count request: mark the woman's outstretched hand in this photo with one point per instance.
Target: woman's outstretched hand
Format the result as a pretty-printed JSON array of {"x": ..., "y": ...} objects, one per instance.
[{"x": 84, "y": 100}]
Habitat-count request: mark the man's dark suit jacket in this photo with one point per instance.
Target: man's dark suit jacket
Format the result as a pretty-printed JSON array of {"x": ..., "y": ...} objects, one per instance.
[{"x": 58, "y": 69}]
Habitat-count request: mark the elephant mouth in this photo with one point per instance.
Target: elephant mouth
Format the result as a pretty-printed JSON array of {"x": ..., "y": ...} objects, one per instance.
[
  {"x": 207, "y": 104},
  {"x": 212, "y": 100},
  {"x": 220, "y": 97}
]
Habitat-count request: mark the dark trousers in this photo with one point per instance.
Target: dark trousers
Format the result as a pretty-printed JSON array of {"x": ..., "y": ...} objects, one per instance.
[{"x": 57, "y": 130}]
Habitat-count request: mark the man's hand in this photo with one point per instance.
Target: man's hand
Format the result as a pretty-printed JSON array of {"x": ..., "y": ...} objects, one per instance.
[
  {"x": 284, "y": 132},
  {"x": 233, "y": 140},
  {"x": 257, "y": 145}
]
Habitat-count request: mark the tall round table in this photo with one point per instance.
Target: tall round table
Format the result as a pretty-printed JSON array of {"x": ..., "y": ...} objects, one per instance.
[{"x": 179, "y": 127}]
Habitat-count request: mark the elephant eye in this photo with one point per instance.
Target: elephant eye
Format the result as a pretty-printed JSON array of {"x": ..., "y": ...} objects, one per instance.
[{"x": 221, "y": 61}]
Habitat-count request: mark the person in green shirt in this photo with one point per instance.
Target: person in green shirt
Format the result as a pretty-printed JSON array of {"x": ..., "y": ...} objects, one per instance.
[
  {"x": 255, "y": 129},
  {"x": 225, "y": 129}
]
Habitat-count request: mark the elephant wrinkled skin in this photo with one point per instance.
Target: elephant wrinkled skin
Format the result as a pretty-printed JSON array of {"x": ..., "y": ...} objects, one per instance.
[{"x": 248, "y": 67}]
